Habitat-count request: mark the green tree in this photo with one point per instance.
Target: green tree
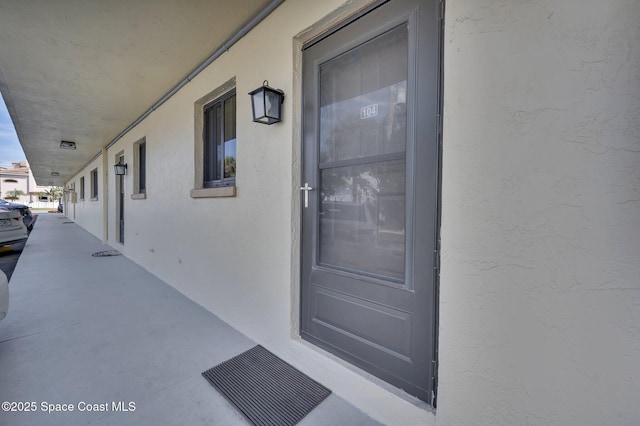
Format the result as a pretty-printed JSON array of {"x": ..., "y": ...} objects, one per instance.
[
  {"x": 229, "y": 166},
  {"x": 13, "y": 195},
  {"x": 54, "y": 193}
]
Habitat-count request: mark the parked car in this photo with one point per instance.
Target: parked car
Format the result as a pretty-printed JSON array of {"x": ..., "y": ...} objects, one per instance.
[
  {"x": 25, "y": 211},
  {"x": 12, "y": 227},
  {"x": 4, "y": 295},
  {"x": 60, "y": 207}
]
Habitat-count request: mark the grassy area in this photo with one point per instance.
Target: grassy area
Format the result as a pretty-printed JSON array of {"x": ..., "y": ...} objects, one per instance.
[{"x": 43, "y": 209}]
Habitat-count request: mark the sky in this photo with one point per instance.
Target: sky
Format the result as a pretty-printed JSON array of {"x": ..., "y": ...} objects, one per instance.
[{"x": 10, "y": 148}]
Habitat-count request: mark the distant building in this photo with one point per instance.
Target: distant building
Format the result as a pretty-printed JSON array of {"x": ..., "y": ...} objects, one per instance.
[{"x": 19, "y": 176}]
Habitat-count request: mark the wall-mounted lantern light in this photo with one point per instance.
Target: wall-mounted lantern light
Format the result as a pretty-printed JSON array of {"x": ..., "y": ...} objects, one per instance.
[
  {"x": 121, "y": 169},
  {"x": 267, "y": 104}
]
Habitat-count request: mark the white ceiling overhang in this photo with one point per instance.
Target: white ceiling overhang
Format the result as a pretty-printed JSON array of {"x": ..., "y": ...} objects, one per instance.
[{"x": 84, "y": 70}]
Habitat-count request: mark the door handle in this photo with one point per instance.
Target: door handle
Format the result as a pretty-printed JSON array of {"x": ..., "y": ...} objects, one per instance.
[{"x": 306, "y": 188}]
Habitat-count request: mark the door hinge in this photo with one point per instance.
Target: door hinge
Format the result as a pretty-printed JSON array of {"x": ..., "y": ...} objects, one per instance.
[
  {"x": 440, "y": 10},
  {"x": 436, "y": 261}
]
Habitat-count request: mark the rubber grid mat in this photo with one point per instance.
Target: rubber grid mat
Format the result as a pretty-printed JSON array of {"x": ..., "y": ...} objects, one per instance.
[{"x": 267, "y": 390}]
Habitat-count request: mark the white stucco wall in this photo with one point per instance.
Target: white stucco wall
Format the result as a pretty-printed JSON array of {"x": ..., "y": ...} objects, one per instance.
[
  {"x": 540, "y": 285},
  {"x": 88, "y": 213},
  {"x": 540, "y": 294},
  {"x": 8, "y": 184},
  {"x": 24, "y": 181}
]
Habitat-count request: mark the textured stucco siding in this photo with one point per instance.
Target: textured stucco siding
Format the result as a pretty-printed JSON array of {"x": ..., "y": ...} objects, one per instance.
[
  {"x": 540, "y": 280},
  {"x": 540, "y": 286}
]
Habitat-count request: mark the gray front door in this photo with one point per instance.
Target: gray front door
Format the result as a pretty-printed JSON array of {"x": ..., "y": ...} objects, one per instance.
[
  {"x": 370, "y": 221},
  {"x": 120, "y": 203}
]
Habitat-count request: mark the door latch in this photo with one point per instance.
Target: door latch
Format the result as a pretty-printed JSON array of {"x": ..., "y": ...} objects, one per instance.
[{"x": 306, "y": 188}]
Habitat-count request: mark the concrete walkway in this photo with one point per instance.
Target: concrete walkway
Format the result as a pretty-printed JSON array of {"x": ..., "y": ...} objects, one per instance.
[{"x": 94, "y": 331}]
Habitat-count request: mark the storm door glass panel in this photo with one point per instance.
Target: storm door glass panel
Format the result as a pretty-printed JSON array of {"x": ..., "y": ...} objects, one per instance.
[
  {"x": 363, "y": 99},
  {"x": 362, "y": 158},
  {"x": 362, "y": 218}
]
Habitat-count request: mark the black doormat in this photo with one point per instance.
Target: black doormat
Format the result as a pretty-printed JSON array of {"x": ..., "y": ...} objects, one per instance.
[
  {"x": 267, "y": 390},
  {"x": 106, "y": 253}
]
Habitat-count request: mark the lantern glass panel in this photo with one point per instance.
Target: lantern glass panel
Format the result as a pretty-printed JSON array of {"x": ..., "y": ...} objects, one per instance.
[
  {"x": 272, "y": 104},
  {"x": 258, "y": 104}
]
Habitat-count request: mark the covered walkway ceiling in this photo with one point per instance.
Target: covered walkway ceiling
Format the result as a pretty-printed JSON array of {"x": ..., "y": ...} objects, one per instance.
[{"x": 84, "y": 70}]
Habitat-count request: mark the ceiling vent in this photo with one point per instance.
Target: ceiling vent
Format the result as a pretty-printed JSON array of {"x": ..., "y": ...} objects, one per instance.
[
  {"x": 55, "y": 173},
  {"x": 67, "y": 145}
]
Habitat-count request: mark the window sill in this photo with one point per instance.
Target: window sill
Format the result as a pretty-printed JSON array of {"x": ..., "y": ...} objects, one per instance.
[
  {"x": 139, "y": 196},
  {"x": 94, "y": 199},
  {"x": 223, "y": 191}
]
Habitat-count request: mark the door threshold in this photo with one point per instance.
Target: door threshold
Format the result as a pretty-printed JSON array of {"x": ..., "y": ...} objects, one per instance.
[{"x": 388, "y": 387}]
